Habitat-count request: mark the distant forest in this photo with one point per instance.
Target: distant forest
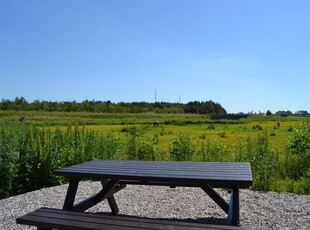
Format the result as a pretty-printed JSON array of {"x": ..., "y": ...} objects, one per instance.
[{"x": 197, "y": 107}]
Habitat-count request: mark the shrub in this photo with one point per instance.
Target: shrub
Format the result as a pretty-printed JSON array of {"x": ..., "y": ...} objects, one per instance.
[
  {"x": 182, "y": 148},
  {"x": 212, "y": 151},
  {"x": 257, "y": 127},
  {"x": 8, "y": 159},
  {"x": 290, "y": 129},
  {"x": 211, "y": 127},
  {"x": 222, "y": 134},
  {"x": 298, "y": 151},
  {"x": 299, "y": 142},
  {"x": 263, "y": 160},
  {"x": 202, "y": 136},
  {"x": 111, "y": 146}
]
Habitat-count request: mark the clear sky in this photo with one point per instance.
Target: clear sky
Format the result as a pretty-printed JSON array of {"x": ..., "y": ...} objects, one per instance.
[{"x": 247, "y": 55}]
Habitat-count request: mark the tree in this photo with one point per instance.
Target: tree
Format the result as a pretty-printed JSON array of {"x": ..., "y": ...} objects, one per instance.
[{"x": 268, "y": 113}]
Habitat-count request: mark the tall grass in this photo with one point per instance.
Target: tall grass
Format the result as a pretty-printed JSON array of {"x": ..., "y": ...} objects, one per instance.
[{"x": 29, "y": 154}]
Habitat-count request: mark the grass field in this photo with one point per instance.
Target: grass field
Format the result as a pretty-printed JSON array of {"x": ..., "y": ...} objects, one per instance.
[
  {"x": 32, "y": 144},
  {"x": 198, "y": 127},
  {"x": 228, "y": 134}
]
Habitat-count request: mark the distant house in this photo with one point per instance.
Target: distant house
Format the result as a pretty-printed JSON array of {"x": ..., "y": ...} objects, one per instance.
[{"x": 302, "y": 113}]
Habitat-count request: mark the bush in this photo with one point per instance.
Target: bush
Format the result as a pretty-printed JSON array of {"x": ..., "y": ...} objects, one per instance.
[
  {"x": 263, "y": 160},
  {"x": 298, "y": 151},
  {"x": 182, "y": 148},
  {"x": 222, "y": 134},
  {"x": 8, "y": 159},
  {"x": 213, "y": 151},
  {"x": 257, "y": 127},
  {"x": 299, "y": 143}
]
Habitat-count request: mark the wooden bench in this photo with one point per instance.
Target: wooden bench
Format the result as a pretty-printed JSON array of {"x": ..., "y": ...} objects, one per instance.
[{"x": 48, "y": 218}]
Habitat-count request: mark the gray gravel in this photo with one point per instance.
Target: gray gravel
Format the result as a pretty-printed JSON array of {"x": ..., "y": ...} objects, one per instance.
[{"x": 263, "y": 210}]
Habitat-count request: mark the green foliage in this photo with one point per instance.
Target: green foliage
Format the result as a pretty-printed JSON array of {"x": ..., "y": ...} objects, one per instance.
[
  {"x": 142, "y": 147},
  {"x": 268, "y": 113},
  {"x": 21, "y": 104},
  {"x": 298, "y": 151},
  {"x": 299, "y": 143},
  {"x": 257, "y": 127},
  {"x": 211, "y": 127},
  {"x": 8, "y": 159},
  {"x": 182, "y": 148},
  {"x": 290, "y": 129},
  {"x": 222, "y": 134},
  {"x": 263, "y": 160},
  {"x": 112, "y": 147},
  {"x": 207, "y": 107},
  {"x": 213, "y": 151},
  {"x": 29, "y": 153}
]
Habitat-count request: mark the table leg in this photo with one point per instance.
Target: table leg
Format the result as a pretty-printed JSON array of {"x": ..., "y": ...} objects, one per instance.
[
  {"x": 106, "y": 192},
  {"x": 113, "y": 205},
  {"x": 111, "y": 199},
  {"x": 233, "y": 214},
  {"x": 71, "y": 193}
]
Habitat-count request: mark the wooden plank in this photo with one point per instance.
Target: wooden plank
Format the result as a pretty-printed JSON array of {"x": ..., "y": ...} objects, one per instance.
[
  {"x": 162, "y": 174},
  {"x": 216, "y": 198},
  {"x": 187, "y": 166},
  {"x": 159, "y": 165},
  {"x": 71, "y": 193},
  {"x": 216, "y": 173},
  {"x": 106, "y": 192},
  {"x": 233, "y": 215},
  {"x": 56, "y": 218}
]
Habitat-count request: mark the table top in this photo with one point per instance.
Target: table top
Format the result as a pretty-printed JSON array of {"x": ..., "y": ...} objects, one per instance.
[{"x": 216, "y": 174}]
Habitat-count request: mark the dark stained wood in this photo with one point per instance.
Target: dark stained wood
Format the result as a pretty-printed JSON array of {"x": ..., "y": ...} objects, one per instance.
[
  {"x": 233, "y": 213},
  {"x": 71, "y": 192},
  {"x": 111, "y": 199},
  {"x": 216, "y": 197},
  {"x": 46, "y": 218},
  {"x": 216, "y": 174},
  {"x": 106, "y": 192}
]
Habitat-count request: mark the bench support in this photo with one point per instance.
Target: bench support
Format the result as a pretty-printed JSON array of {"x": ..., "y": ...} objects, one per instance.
[
  {"x": 216, "y": 198},
  {"x": 109, "y": 187},
  {"x": 232, "y": 209}
]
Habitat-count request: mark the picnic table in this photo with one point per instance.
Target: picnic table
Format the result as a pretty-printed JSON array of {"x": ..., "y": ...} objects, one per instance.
[{"x": 116, "y": 174}]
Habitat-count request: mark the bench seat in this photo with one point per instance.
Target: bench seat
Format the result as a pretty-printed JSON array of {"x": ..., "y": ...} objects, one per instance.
[{"x": 48, "y": 218}]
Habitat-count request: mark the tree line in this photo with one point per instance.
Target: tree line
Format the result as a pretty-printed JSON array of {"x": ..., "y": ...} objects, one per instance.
[{"x": 196, "y": 107}]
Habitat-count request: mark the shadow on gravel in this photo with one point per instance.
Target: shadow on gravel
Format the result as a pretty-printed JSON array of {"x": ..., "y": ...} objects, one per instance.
[{"x": 210, "y": 220}]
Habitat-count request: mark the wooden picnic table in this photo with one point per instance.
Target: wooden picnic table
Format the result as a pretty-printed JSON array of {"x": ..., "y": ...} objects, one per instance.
[{"x": 116, "y": 174}]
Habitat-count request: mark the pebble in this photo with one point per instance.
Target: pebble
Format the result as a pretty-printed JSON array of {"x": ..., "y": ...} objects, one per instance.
[{"x": 262, "y": 210}]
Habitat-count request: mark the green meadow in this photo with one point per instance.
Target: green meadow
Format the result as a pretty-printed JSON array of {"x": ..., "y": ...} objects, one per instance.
[
  {"x": 33, "y": 144},
  {"x": 198, "y": 127}
]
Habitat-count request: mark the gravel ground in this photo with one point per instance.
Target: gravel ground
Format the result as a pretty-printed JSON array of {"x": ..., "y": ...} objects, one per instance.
[{"x": 262, "y": 210}]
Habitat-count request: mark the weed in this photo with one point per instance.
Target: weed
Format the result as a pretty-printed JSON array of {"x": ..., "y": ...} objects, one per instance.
[
  {"x": 182, "y": 148},
  {"x": 222, "y": 134},
  {"x": 257, "y": 127}
]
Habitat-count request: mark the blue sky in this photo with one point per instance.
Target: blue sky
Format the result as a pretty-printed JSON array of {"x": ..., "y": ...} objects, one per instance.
[{"x": 247, "y": 55}]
